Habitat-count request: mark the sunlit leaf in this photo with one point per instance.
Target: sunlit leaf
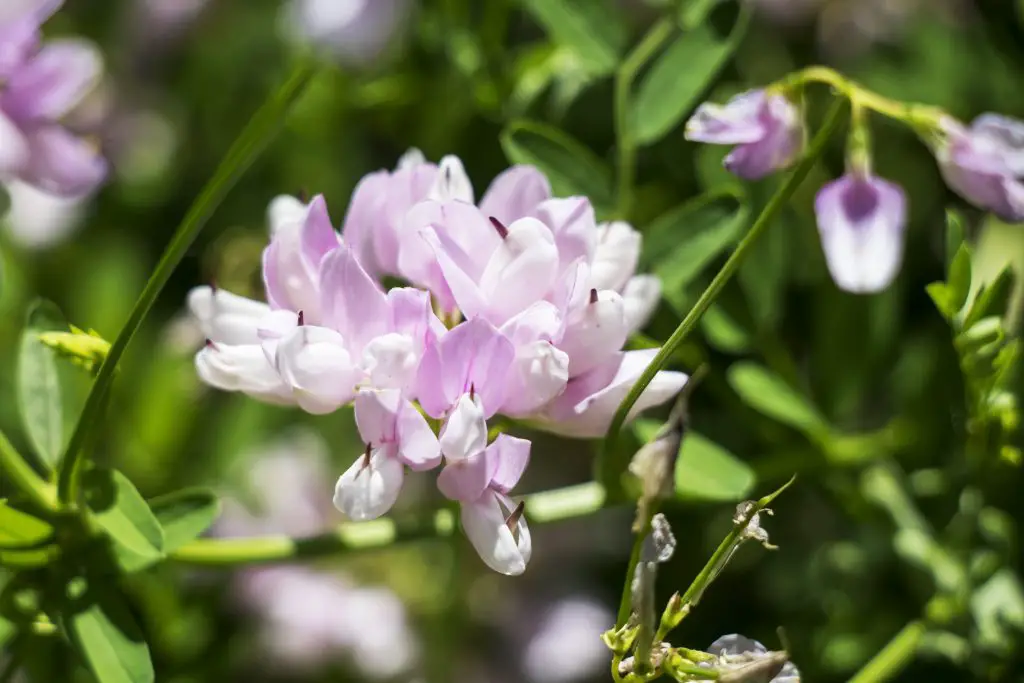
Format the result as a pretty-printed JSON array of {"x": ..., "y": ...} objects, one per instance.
[
  {"x": 992, "y": 299},
  {"x": 769, "y": 394},
  {"x": 954, "y": 237},
  {"x": 184, "y": 515},
  {"x": 123, "y": 514},
  {"x": 958, "y": 283},
  {"x": 572, "y": 168},
  {"x": 38, "y": 383},
  {"x": 591, "y": 28},
  {"x": 102, "y": 630},
  {"x": 19, "y": 529},
  {"x": 673, "y": 86}
]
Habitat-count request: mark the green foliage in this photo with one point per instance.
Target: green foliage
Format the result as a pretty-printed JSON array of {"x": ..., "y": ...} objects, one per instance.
[
  {"x": 19, "y": 530},
  {"x": 39, "y": 388},
  {"x": 184, "y": 515},
  {"x": 118, "y": 509},
  {"x": 769, "y": 394},
  {"x": 103, "y": 631},
  {"x": 590, "y": 28},
  {"x": 672, "y": 87}
]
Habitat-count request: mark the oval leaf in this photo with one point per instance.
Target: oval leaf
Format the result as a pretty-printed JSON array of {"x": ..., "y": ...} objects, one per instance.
[
  {"x": 184, "y": 515},
  {"x": 21, "y": 530},
  {"x": 673, "y": 86},
  {"x": 38, "y": 383},
  {"x": 592, "y": 29},
  {"x": 101, "y": 628},
  {"x": 123, "y": 514},
  {"x": 572, "y": 168},
  {"x": 767, "y": 393},
  {"x": 706, "y": 471}
]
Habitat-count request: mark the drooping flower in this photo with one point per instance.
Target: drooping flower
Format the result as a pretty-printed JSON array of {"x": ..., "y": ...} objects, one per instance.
[
  {"x": 766, "y": 128},
  {"x": 480, "y": 477},
  {"x": 39, "y": 85},
  {"x": 862, "y": 219},
  {"x": 356, "y": 32},
  {"x": 985, "y": 163},
  {"x": 396, "y": 436}
]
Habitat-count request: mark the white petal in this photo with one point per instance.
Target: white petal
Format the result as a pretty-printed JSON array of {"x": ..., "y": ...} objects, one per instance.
[
  {"x": 616, "y": 256},
  {"x": 521, "y": 271},
  {"x": 368, "y": 490},
  {"x": 640, "y": 297},
  {"x": 314, "y": 362},
  {"x": 595, "y": 332},
  {"x": 390, "y": 361},
  {"x": 285, "y": 212},
  {"x": 452, "y": 182},
  {"x": 226, "y": 317},
  {"x": 540, "y": 372},
  {"x": 465, "y": 432},
  {"x": 241, "y": 368},
  {"x": 484, "y": 524}
]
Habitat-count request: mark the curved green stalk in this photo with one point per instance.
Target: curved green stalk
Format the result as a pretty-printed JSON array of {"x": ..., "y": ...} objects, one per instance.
[
  {"x": 243, "y": 152},
  {"x": 778, "y": 201},
  {"x": 24, "y": 477},
  {"x": 892, "y": 658}
]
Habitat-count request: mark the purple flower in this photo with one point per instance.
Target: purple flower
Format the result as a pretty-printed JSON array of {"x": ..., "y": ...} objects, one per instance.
[
  {"x": 39, "y": 85},
  {"x": 985, "y": 163},
  {"x": 735, "y": 651},
  {"x": 861, "y": 219},
  {"x": 766, "y": 128},
  {"x": 396, "y": 436}
]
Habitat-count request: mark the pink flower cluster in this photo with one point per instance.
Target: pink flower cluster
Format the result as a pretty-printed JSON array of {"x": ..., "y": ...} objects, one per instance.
[{"x": 519, "y": 305}]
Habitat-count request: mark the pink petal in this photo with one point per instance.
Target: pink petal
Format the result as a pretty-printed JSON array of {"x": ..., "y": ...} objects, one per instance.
[
  {"x": 14, "y": 149},
  {"x": 512, "y": 455},
  {"x": 572, "y": 222},
  {"x": 376, "y": 413},
  {"x": 595, "y": 333},
  {"x": 318, "y": 235},
  {"x": 515, "y": 194},
  {"x": 362, "y": 221},
  {"x": 418, "y": 446},
  {"x": 466, "y": 480},
  {"x": 352, "y": 302},
  {"x": 63, "y": 164},
  {"x": 53, "y": 81}
]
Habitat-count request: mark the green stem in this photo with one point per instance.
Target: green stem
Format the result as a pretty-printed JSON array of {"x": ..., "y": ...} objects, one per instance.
[
  {"x": 892, "y": 658},
  {"x": 547, "y": 506},
  {"x": 660, "y": 32},
  {"x": 778, "y": 201},
  {"x": 919, "y": 116},
  {"x": 242, "y": 154},
  {"x": 25, "y": 478}
]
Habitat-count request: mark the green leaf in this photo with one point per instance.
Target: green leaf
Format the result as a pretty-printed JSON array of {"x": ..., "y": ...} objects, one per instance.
[
  {"x": 138, "y": 540},
  {"x": 184, "y": 515},
  {"x": 954, "y": 237},
  {"x": 941, "y": 297},
  {"x": 572, "y": 168},
  {"x": 38, "y": 383},
  {"x": 724, "y": 333},
  {"x": 101, "y": 628},
  {"x": 992, "y": 299},
  {"x": 958, "y": 283},
  {"x": 673, "y": 86},
  {"x": 592, "y": 29},
  {"x": 681, "y": 243},
  {"x": 21, "y": 530},
  {"x": 767, "y": 393},
  {"x": 706, "y": 471}
]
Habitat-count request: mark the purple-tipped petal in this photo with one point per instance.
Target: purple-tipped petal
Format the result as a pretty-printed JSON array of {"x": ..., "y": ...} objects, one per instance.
[
  {"x": 983, "y": 166},
  {"x": 501, "y": 549},
  {"x": 862, "y": 221},
  {"x": 736, "y": 122},
  {"x": 367, "y": 490}
]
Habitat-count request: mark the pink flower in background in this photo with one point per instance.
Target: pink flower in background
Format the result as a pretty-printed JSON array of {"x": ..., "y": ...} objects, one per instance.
[
  {"x": 355, "y": 32},
  {"x": 984, "y": 163},
  {"x": 538, "y": 300},
  {"x": 39, "y": 85}
]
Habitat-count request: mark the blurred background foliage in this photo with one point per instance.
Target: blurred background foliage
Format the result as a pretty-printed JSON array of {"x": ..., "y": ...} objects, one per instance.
[{"x": 863, "y": 397}]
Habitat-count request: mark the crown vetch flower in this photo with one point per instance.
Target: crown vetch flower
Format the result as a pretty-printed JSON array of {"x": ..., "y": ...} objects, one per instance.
[
  {"x": 984, "y": 163},
  {"x": 539, "y": 298},
  {"x": 766, "y": 128},
  {"x": 862, "y": 219},
  {"x": 39, "y": 85}
]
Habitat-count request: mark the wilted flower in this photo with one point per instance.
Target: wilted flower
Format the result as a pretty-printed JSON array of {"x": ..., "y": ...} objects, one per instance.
[
  {"x": 985, "y": 163},
  {"x": 39, "y": 85},
  {"x": 743, "y": 659},
  {"x": 766, "y": 128},
  {"x": 861, "y": 219},
  {"x": 538, "y": 299}
]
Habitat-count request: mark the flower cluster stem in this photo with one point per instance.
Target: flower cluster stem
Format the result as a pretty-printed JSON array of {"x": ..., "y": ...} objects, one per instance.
[
  {"x": 24, "y": 477},
  {"x": 658, "y": 34},
  {"x": 242, "y": 154},
  {"x": 892, "y": 658},
  {"x": 609, "y": 472}
]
